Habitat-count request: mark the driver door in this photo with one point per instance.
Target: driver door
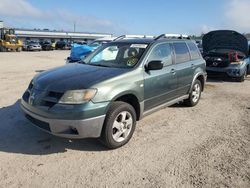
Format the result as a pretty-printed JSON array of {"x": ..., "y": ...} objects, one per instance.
[{"x": 160, "y": 85}]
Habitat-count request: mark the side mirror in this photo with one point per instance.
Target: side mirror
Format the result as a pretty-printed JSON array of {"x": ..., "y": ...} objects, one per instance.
[{"x": 154, "y": 65}]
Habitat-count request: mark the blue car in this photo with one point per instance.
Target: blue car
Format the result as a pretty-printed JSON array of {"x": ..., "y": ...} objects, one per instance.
[
  {"x": 79, "y": 51},
  {"x": 226, "y": 52}
]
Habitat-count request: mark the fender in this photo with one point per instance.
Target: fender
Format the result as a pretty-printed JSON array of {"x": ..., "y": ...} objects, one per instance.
[
  {"x": 248, "y": 65},
  {"x": 204, "y": 74},
  {"x": 136, "y": 95},
  {"x": 128, "y": 92}
]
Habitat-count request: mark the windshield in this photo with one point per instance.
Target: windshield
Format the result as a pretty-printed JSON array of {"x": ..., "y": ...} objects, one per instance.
[
  {"x": 12, "y": 39},
  {"x": 117, "y": 55}
]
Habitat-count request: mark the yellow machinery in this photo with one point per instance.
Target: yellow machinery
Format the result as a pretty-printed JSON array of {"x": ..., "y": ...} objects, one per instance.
[{"x": 9, "y": 41}]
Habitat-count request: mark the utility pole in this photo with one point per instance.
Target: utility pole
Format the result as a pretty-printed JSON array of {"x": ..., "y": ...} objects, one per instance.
[{"x": 74, "y": 26}]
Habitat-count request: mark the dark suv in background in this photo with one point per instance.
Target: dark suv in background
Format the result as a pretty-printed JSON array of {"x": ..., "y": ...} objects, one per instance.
[
  {"x": 62, "y": 45},
  {"x": 226, "y": 52},
  {"x": 46, "y": 45},
  {"x": 122, "y": 81}
]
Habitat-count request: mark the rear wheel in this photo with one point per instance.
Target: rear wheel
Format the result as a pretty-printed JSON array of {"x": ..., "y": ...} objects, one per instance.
[
  {"x": 3, "y": 49},
  {"x": 194, "y": 95},
  {"x": 119, "y": 125}
]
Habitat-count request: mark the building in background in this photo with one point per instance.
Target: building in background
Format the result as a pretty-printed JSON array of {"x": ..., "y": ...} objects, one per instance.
[
  {"x": 41, "y": 35},
  {"x": 53, "y": 36}
]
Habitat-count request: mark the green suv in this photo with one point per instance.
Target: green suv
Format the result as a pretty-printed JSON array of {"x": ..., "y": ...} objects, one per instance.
[{"x": 122, "y": 81}]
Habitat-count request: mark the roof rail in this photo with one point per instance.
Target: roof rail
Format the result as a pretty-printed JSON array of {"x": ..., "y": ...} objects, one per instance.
[
  {"x": 172, "y": 36},
  {"x": 132, "y": 37}
]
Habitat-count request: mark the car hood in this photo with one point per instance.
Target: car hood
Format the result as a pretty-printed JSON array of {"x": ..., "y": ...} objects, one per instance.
[
  {"x": 225, "y": 39},
  {"x": 73, "y": 77}
]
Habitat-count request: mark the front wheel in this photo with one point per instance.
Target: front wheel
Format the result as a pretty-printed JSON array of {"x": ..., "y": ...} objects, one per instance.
[
  {"x": 194, "y": 95},
  {"x": 243, "y": 77},
  {"x": 19, "y": 49},
  {"x": 119, "y": 125},
  {"x": 3, "y": 49}
]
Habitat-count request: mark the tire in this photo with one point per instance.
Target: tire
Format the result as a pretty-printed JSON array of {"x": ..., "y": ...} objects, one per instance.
[
  {"x": 119, "y": 125},
  {"x": 19, "y": 49},
  {"x": 243, "y": 77},
  {"x": 3, "y": 49},
  {"x": 194, "y": 95}
]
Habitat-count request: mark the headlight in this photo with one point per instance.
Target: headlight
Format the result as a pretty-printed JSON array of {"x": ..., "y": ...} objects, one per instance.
[
  {"x": 77, "y": 96},
  {"x": 236, "y": 63}
]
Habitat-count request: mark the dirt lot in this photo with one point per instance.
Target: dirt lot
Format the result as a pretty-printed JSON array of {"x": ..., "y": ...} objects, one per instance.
[{"x": 204, "y": 146}]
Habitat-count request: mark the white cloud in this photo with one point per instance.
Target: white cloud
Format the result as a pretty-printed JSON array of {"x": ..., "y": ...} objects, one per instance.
[
  {"x": 237, "y": 15},
  {"x": 14, "y": 8},
  {"x": 20, "y": 13},
  {"x": 205, "y": 28}
]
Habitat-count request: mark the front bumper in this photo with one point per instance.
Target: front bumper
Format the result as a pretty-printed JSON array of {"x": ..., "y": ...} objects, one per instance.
[
  {"x": 72, "y": 129},
  {"x": 33, "y": 48},
  {"x": 231, "y": 71}
]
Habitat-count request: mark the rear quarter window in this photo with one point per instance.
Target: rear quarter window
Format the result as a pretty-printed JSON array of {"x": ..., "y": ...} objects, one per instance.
[
  {"x": 194, "y": 51},
  {"x": 181, "y": 52}
]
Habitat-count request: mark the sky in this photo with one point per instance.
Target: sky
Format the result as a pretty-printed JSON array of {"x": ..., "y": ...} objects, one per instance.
[{"x": 150, "y": 17}]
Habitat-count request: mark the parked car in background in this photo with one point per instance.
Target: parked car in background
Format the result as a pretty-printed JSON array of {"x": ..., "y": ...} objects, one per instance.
[
  {"x": 62, "y": 45},
  {"x": 53, "y": 45},
  {"x": 79, "y": 51},
  {"x": 80, "y": 42},
  {"x": 33, "y": 46},
  {"x": 199, "y": 45},
  {"x": 226, "y": 52},
  {"x": 25, "y": 45},
  {"x": 46, "y": 45},
  {"x": 115, "y": 86}
]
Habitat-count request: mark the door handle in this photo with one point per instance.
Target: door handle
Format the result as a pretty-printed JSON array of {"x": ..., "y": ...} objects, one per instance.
[
  {"x": 173, "y": 71},
  {"x": 192, "y": 66}
]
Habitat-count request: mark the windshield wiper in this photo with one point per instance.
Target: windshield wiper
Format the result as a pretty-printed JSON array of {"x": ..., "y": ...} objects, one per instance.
[
  {"x": 82, "y": 62},
  {"x": 99, "y": 65}
]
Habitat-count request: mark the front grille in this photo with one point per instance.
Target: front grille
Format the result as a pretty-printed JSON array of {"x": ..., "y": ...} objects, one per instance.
[
  {"x": 30, "y": 86},
  {"x": 217, "y": 61},
  {"x": 217, "y": 64},
  {"x": 38, "y": 123},
  {"x": 41, "y": 97},
  {"x": 51, "y": 99},
  {"x": 26, "y": 96},
  {"x": 56, "y": 95}
]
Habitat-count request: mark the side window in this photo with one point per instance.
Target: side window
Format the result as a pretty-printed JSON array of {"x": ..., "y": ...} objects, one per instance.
[
  {"x": 161, "y": 52},
  {"x": 194, "y": 51},
  {"x": 181, "y": 52}
]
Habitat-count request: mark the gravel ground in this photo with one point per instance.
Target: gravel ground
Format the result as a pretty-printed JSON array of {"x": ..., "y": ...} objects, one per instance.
[{"x": 204, "y": 146}]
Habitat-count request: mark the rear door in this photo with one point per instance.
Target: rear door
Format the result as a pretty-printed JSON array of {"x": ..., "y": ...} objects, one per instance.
[
  {"x": 183, "y": 66},
  {"x": 160, "y": 85},
  {"x": 195, "y": 56}
]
